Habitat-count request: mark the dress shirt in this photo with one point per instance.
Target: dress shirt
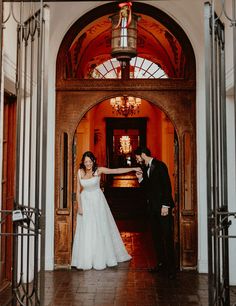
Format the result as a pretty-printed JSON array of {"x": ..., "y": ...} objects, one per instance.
[{"x": 149, "y": 166}]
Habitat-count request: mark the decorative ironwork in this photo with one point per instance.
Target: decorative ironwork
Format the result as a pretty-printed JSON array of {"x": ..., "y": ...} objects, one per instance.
[
  {"x": 217, "y": 193},
  {"x": 28, "y": 229},
  {"x": 125, "y": 106},
  {"x": 25, "y": 291}
]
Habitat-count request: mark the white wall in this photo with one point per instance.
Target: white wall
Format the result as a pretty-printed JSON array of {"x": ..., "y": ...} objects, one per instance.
[
  {"x": 229, "y": 47},
  {"x": 231, "y": 143},
  {"x": 231, "y": 184},
  {"x": 193, "y": 26},
  {"x": 190, "y": 16}
]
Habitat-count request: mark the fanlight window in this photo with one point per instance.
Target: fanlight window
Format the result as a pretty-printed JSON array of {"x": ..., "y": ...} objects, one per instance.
[{"x": 140, "y": 68}]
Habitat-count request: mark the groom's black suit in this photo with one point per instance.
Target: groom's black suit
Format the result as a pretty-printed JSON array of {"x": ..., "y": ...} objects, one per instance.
[{"x": 158, "y": 190}]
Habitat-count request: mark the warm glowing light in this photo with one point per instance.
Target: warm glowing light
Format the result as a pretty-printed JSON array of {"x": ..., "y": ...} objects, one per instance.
[
  {"x": 125, "y": 147},
  {"x": 125, "y": 106}
]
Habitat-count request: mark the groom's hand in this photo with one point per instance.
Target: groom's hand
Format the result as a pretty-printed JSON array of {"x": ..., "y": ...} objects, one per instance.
[
  {"x": 139, "y": 174},
  {"x": 164, "y": 211}
]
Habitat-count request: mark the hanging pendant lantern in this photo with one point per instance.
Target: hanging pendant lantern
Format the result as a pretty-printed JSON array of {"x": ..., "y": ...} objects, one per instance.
[{"x": 124, "y": 33}]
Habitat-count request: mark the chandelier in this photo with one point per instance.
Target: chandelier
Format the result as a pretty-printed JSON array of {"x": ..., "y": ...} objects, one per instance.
[
  {"x": 125, "y": 106},
  {"x": 125, "y": 146}
]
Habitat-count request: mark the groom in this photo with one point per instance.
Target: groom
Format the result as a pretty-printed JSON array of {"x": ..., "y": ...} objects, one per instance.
[{"x": 156, "y": 181}]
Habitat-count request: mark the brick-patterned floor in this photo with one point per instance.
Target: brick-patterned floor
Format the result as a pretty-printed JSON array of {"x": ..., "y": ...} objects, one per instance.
[
  {"x": 124, "y": 286},
  {"x": 129, "y": 284}
]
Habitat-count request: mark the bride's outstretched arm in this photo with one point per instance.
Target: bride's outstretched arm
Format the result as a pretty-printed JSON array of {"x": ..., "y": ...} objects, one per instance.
[{"x": 118, "y": 170}]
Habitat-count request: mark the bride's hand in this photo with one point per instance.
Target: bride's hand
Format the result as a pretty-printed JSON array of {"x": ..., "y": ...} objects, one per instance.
[
  {"x": 138, "y": 169},
  {"x": 80, "y": 211}
]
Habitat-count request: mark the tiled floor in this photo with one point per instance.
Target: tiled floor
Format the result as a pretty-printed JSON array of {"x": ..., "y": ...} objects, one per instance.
[
  {"x": 124, "y": 286},
  {"x": 130, "y": 283}
]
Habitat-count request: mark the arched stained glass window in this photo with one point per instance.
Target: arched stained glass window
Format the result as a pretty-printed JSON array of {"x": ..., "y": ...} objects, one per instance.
[{"x": 140, "y": 68}]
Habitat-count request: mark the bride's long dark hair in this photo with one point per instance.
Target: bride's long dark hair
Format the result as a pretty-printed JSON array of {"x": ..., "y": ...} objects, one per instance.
[{"x": 93, "y": 159}]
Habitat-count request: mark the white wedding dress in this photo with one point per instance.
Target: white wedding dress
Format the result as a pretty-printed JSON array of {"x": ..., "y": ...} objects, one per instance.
[{"x": 97, "y": 241}]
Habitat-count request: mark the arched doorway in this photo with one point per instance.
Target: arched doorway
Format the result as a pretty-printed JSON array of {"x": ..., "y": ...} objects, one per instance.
[
  {"x": 100, "y": 131},
  {"x": 175, "y": 96}
]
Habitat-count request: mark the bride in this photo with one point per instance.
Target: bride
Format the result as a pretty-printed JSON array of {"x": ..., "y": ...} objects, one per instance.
[{"x": 97, "y": 242}]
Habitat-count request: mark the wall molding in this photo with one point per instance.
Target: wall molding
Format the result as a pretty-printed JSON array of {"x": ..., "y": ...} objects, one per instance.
[
  {"x": 9, "y": 72},
  {"x": 229, "y": 81},
  {"x": 202, "y": 266}
]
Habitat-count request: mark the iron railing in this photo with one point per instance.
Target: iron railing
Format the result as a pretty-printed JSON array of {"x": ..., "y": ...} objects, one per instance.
[
  {"x": 28, "y": 232},
  {"x": 219, "y": 218}
]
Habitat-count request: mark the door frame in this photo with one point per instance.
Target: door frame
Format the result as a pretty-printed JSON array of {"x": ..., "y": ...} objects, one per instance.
[
  {"x": 8, "y": 187},
  {"x": 176, "y": 98}
]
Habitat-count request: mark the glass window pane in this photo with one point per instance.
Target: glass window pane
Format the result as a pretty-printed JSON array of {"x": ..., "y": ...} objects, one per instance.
[
  {"x": 64, "y": 170},
  {"x": 108, "y": 65},
  {"x": 111, "y": 75},
  {"x": 115, "y": 62},
  {"x": 139, "y": 61},
  {"x": 153, "y": 68},
  {"x": 102, "y": 69},
  {"x": 143, "y": 69}
]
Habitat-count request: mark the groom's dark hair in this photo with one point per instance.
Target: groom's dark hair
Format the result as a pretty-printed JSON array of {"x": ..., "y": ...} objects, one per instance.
[{"x": 141, "y": 150}]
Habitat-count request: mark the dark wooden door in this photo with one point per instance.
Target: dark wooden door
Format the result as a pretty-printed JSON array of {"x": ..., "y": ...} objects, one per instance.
[
  {"x": 8, "y": 170},
  {"x": 125, "y": 124}
]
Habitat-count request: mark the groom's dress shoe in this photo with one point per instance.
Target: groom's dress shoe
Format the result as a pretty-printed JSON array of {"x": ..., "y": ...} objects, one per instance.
[{"x": 157, "y": 268}]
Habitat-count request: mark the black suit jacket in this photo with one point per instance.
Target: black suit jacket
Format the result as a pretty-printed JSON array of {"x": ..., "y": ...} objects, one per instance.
[{"x": 158, "y": 186}]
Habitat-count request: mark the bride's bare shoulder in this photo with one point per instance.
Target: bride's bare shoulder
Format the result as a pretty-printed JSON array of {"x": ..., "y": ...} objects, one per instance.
[
  {"x": 100, "y": 170},
  {"x": 81, "y": 172}
]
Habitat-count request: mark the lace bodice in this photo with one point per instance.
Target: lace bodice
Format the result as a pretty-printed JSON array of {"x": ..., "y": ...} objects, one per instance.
[{"x": 90, "y": 184}]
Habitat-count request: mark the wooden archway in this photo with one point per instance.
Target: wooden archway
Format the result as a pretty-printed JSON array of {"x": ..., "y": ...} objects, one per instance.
[{"x": 176, "y": 97}]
